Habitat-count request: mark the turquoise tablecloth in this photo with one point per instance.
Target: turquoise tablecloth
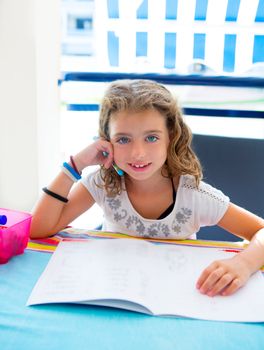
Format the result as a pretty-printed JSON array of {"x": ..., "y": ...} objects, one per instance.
[{"x": 85, "y": 327}]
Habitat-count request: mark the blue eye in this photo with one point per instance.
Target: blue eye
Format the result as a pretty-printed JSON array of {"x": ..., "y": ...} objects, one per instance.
[
  {"x": 123, "y": 140},
  {"x": 151, "y": 138}
]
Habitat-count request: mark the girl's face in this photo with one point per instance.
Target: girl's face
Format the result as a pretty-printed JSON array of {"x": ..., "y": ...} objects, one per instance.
[{"x": 140, "y": 142}]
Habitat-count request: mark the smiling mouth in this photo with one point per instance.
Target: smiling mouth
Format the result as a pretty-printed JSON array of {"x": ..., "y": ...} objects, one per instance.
[{"x": 139, "y": 166}]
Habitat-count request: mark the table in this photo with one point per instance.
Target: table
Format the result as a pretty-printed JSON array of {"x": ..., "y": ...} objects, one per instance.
[{"x": 65, "y": 326}]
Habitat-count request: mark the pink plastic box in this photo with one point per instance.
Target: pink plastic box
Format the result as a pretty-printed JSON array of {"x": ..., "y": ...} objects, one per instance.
[{"x": 14, "y": 234}]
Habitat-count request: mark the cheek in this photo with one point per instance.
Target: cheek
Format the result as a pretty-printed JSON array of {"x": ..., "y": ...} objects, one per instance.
[
  {"x": 119, "y": 152},
  {"x": 161, "y": 148},
  {"x": 162, "y": 152}
]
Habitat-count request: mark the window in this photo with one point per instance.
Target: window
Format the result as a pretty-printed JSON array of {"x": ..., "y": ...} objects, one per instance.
[{"x": 202, "y": 38}]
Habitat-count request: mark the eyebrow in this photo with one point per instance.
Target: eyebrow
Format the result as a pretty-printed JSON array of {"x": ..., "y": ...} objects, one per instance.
[{"x": 145, "y": 133}]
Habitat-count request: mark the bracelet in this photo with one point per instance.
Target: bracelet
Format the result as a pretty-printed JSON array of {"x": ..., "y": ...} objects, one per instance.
[
  {"x": 66, "y": 171},
  {"x": 55, "y": 195},
  {"x": 72, "y": 171},
  {"x": 74, "y": 166}
]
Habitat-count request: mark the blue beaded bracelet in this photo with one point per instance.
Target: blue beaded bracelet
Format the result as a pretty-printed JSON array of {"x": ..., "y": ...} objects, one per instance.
[{"x": 72, "y": 171}]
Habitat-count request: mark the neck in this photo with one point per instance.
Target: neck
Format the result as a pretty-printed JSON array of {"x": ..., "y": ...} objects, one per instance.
[{"x": 146, "y": 186}]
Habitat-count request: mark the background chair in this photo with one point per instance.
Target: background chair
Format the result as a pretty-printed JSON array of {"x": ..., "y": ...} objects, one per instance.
[{"x": 235, "y": 166}]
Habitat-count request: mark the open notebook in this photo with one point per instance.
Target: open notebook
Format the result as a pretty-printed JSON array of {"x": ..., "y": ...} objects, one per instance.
[{"x": 136, "y": 275}]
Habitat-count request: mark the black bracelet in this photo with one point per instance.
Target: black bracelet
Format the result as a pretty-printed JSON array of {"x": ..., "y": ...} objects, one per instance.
[{"x": 55, "y": 195}]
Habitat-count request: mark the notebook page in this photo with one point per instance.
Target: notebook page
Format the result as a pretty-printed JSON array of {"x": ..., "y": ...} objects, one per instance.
[
  {"x": 96, "y": 269},
  {"x": 177, "y": 295}
]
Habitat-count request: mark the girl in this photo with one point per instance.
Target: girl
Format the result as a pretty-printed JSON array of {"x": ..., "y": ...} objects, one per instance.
[{"x": 149, "y": 184}]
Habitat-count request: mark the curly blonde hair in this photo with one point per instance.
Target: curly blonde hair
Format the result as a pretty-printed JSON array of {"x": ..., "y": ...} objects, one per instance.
[{"x": 140, "y": 95}]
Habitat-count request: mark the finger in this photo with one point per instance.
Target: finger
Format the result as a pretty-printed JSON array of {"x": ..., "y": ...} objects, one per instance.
[
  {"x": 211, "y": 280},
  {"x": 108, "y": 161},
  {"x": 107, "y": 155},
  {"x": 205, "y": 274},
  {"x": 233, "y": 287},
  {"x": 106, "y": 149},
  {"x": 220, "y": 285}
]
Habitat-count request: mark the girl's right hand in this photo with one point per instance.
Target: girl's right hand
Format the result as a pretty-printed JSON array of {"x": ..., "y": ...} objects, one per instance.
[{"x": 94, "y": 154}]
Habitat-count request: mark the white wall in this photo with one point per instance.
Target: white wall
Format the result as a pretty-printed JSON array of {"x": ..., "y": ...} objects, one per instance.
[{"x": 29, "y": 111}]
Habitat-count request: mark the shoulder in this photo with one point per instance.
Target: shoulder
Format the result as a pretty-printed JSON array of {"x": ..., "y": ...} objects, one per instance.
[
  {"x": 188, "y": 184},
  {"x": 92, "y": 176},
  {"x": 93, "y": 182},
  {"x": 207, "y": 202}
]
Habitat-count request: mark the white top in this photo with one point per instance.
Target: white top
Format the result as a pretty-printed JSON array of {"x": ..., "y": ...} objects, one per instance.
[{"x": 193, "y": 209}]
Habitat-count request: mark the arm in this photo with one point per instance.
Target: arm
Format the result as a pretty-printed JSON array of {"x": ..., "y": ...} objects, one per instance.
[
  {"x": 51, "y": 215},
  {"x": 227, "y": 276}
]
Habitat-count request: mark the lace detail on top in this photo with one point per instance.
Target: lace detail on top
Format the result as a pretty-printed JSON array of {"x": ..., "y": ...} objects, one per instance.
[{"x": 189, "y": 184}]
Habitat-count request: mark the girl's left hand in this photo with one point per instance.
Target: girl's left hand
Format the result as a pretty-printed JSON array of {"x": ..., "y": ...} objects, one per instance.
[{"x": 224, "y": 277}]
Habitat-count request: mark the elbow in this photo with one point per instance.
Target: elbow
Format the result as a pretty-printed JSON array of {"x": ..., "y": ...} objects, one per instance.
[
  {"x": 35, "y": 233},
  {"x": 37, "y": 230}
]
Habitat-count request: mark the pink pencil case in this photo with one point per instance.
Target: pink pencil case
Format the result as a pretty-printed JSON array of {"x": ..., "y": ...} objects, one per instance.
[{"x": 14, "y": 234}]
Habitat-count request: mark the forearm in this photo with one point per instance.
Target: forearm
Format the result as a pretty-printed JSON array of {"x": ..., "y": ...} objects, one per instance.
[
  {"x": 52, "y": 214},
  {"x": 48, "y": 210}
]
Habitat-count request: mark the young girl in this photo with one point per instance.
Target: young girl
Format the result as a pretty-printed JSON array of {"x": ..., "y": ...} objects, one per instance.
[{"x": 149, "y": 184}]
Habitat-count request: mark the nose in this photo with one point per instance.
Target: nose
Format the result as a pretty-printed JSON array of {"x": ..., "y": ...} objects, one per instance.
[{"x": 138, "y": 150}]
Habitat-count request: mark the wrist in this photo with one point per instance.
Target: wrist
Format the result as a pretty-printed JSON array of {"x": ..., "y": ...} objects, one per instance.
[
  {"x": 247, "y": 261},
  {"x": 71, "y": 171},
  {"x": 77, "y": 164}
]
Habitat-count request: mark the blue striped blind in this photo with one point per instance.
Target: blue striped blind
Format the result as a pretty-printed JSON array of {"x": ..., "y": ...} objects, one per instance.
[
  {"x": 260, "y": 12},
  {"x": 141, "y": 44},
  {"x": 113, "y": 49},
  {"x": 113, "y": 8},
  {"x": 142, "y": 11},
  {"x": 171, "y": 9},
  {"x": 199, "y": 46},
  {"x": 200, "y": 10},
  {"x": 170, "y": 50},
  {"x": 229, "y": 53},
  {"x": 232, "y": 10},
  {"x": 224, "y": 54},
  {"x": 258, "y": 51}
]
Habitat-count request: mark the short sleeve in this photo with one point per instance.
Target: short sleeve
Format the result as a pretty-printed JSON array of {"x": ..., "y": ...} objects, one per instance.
[
  {"x": 206, "y": 204},
  {"x": 212, "y": 204},
  {"x": 94, "y": 184}
]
